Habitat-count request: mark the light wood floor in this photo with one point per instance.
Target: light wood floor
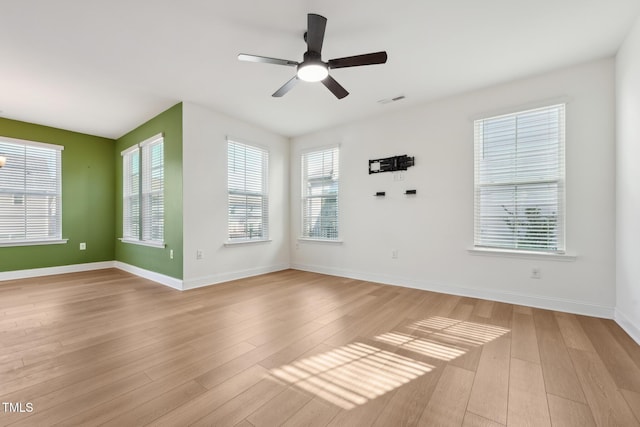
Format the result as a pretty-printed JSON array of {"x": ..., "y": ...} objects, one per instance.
[{"x": 294, "y": 348}]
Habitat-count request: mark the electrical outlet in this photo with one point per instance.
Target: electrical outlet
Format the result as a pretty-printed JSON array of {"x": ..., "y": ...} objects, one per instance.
[
  {"x": 170, "y": 253},
  {"x": 394, "y": 253},
  {"x": 535, "y": 273},
  {"x": 199, "y": 254},
  {"x": 83, "y": 246}
]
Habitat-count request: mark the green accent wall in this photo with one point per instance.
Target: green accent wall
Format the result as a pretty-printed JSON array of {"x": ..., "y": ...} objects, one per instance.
[
  {"x": 149, "y": 258},
  {"x": 88, "y": 198}
]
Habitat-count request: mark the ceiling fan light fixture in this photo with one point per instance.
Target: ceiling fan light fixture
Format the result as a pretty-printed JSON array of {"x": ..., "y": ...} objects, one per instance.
[
  {"x": 313, "y": 68},
  {"x": 313, "y": 72}
]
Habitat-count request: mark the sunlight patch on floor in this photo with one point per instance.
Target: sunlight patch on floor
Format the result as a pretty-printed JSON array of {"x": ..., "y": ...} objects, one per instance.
[
  {"x": 458, "y": 330},
  {"x": 353, "y": 374},
  {"x": 420, "y": 345},
  {"x": 442, "y": 338},
  {"x": 356, "y": 373}
]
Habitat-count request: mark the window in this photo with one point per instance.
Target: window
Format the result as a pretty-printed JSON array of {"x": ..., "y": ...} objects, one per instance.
[
  {"x": 143, "y": 192},
  {"x": 320, "y": 177},
  {"x": 247, "y": 171},
  {"x": 519, "y": 180},
  {"x": 131, "y": 194},
  {"x": 30, "y": 192}
]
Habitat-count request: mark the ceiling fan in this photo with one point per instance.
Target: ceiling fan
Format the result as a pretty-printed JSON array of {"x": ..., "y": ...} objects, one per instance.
[{"x": 312, "y": 68}]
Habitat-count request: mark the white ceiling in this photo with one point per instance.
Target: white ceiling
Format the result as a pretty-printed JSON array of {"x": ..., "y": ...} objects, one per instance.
[{"x": 104, "y": 67}]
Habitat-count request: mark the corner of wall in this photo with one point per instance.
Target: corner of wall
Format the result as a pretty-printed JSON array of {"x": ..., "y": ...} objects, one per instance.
[
  {"x": 166, "y": 261},
  {"x": 627, "y": 325},
  {"x": 627, "y": 190}
]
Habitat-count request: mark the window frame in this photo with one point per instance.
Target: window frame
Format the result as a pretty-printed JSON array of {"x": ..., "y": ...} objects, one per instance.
[
  {"x": 264, "y": 236},
  {"x": 145, "y": 217},
  {"x": 559, "y": 180},
  {"x": 21, "y": 144},
  {"x": 305, "y": 234}
]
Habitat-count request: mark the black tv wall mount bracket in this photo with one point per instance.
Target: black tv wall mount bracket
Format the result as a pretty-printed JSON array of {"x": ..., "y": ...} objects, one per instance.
[{"x": 391, "y": 164}]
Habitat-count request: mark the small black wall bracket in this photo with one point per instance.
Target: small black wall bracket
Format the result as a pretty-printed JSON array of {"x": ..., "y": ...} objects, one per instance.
[
  {"x": 380, "y": 194},
  {"x": 408, "y": 192},
  {"x": 391, "y": 164}
]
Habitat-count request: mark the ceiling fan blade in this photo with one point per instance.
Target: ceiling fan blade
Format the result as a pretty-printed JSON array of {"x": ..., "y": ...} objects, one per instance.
[
  {"x": 335, "y": 87},
  {"x": 358, "y": 60},
  {"x": 266, "y": 60},
  {"x": 316, "y": 25},
  {"x": 286, "y": 87}
]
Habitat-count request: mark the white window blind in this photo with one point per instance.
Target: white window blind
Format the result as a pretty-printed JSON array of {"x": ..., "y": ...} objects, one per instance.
[
  {"x": 247, "y": 172},
  {"x": 143, "y": 192},
  {"x": 131, "y": 194},
  {"x": 30, "y": 192},
  {"x": 153, "y": 190},
  {"x": 320, "y": 184},
  {"x": 519, "y": 180}
]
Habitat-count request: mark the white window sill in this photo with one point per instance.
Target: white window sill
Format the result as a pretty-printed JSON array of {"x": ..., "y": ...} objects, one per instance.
[
  {"x": 161, "y": 245},
  {"x": 312, "y": 240},
  {"x": 245, "y": 242},
  {"x": 522, "y": 254},
  {"x": 33, "y": 242}
]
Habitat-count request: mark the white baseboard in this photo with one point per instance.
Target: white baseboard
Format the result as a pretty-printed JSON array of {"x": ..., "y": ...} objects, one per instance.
[
  {"x": 214, "y": 279},
  {"x": 569, "y": 306},
  {"x": 557, "y": 304},
  {"x": 49, "y": 271},
  {"x": 141, "y": 272},
  {"x": 151, "y": 275},
  {"x": 629, "y": 327}
]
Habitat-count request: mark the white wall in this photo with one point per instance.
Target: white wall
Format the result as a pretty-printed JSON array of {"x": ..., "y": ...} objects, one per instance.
[
  {"x": 205, "y": 200},
  {"x": 433, "y": 230},
  {"x": 628, "y": 183}
]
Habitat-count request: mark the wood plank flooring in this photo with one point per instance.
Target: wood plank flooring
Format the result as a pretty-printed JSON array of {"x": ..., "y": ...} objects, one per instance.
[{"x": 301, "y": 349}]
